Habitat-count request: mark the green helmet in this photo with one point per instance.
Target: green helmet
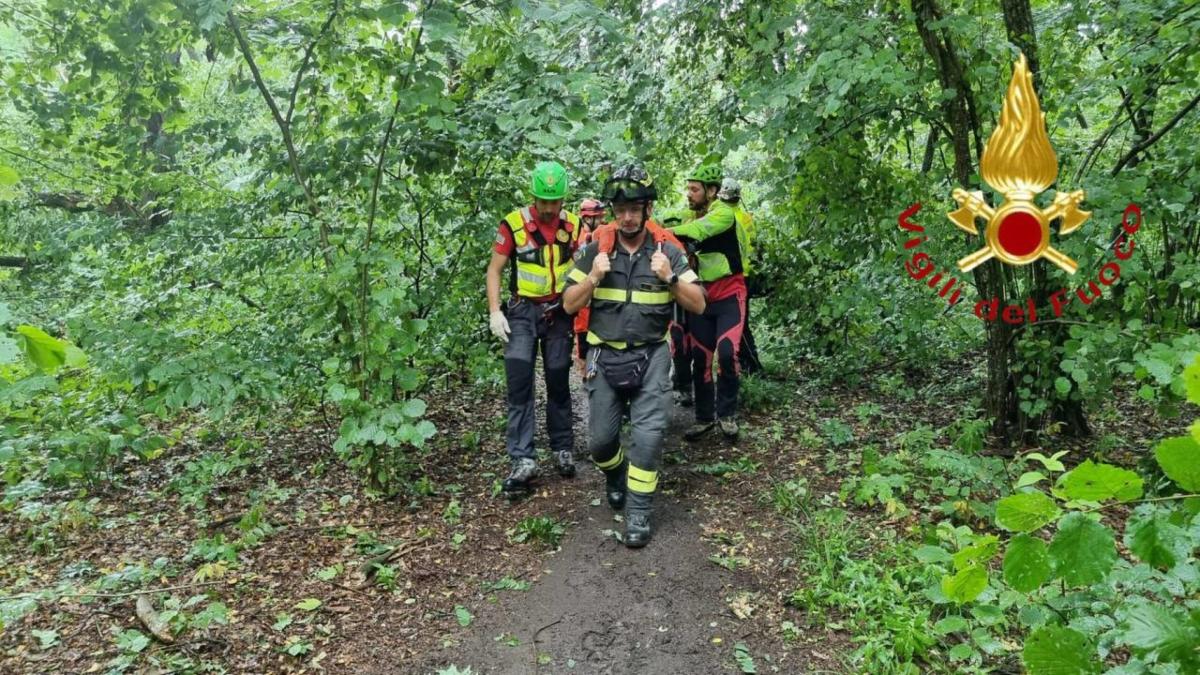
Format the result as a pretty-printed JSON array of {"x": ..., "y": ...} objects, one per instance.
[
  {"x": 708, "y": 174},
  {"x": 549, "y": 181}
]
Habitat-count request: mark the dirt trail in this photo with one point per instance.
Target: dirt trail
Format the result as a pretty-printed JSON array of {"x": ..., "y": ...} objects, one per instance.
[{"x": 598, "y": 607}]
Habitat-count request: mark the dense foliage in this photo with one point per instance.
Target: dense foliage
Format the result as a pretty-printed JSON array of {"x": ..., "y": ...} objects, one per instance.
[{"x": 219, "y": 217}]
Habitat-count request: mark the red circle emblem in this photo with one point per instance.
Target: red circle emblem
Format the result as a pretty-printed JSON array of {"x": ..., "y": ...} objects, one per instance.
[{"x": 1020, "y": 233}]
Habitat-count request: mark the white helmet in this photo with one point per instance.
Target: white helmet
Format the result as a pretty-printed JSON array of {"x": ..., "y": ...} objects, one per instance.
[{"x": 731, "y": 190}]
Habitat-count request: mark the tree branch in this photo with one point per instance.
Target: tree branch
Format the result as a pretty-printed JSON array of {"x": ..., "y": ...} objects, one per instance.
[
  {"x": 1144, "y": 145},
  {"x": 307, "y": 57},
  {"x": 285, "y": 129}
]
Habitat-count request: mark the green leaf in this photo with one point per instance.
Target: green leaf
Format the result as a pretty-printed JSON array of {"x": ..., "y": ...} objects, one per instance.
[
  {"x": 46, "y": 352},
  {"x": 1063, "y": 385},
  {"x": 960, "y": 652},
  {"x": 464, "y": 617},
  {"x": 414, "y": 407},
  {"x": 9, "y": 350},
  {"x": 1152, "y": 628},
  {"x": 978, "y": 553},
  {"x": 1098, "y": 482},
  {"x": 950, "y": 624},
  {"x": 1026, "y": 563},
  {"x": 1191, "y": 381},
  {"x": 1154, "y": 540},
  {"x": 1083, "y": 550},
  {"x": 925, "y": 554},
  {"x": 965, "y": 585},
  {"x": 75, "y": 358},
  {"x": 1051, "y": 463},
  {"x": 1029, "y": 478},
  {"x": 741, "y": 654},
  {"x": 1179, "y": 458},
  {"x": 329, "y": 573},
  {"x": 211, "y": 13},
  {"x": 1057, "y": 650},
  {"x": 8, "y": 176},
  {"x": 132, "y": 641},
  {"x": 308, "y": 604},
  {"x": 1025, "y": 511}
]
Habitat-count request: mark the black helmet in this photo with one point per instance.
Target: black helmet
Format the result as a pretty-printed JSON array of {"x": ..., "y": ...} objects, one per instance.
[{"x": 629, "y": 183}]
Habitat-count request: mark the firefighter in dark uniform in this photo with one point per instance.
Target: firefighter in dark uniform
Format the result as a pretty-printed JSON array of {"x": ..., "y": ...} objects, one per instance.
[{"x": 632, "y": 274}]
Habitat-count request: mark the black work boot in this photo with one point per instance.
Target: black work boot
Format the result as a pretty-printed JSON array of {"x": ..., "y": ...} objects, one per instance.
[
  {"x": 521, "y": 477},
  {"x": 614, "y": 486},
  {"x": 566, "y": 463},
  {"x": 637, "y": 519}
]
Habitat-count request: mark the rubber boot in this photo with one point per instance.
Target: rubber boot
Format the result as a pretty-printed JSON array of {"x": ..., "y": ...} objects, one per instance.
[
  {"x": 637, "y": 519},
  {"x": 614, "y": 486}
]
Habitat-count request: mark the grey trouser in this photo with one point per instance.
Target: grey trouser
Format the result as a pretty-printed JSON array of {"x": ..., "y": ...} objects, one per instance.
[
  {"x": 649, "y": 408},
  {"x": 529, "y": 328}
]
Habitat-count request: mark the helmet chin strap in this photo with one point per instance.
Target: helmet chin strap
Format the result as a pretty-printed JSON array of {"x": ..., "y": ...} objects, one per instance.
[{"x": 641, "y": 226}]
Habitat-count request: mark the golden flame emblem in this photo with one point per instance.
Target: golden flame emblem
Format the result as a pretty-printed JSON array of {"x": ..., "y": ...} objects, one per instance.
[{"x": 1019, "y": 162}]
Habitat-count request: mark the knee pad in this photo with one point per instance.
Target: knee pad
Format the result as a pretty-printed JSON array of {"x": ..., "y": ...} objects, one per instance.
[{"x": 726, "y": 354}]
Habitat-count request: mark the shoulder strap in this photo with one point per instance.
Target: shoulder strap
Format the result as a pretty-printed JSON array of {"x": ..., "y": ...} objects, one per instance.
[
  {"x": 531, "y": 227},
  {"x": 512, "y": 260},
  {"x": 663, "y": 235},
  {"x": 605, "y": 238}
]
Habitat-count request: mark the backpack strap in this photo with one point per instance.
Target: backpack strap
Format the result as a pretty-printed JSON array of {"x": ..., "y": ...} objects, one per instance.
[
  {"x": 512, "y": 261},
  {"x": 531, "y": 227}
]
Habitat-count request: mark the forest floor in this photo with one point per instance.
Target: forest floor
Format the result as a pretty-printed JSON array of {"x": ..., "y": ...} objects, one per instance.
[{"x": 264, "y": 553}]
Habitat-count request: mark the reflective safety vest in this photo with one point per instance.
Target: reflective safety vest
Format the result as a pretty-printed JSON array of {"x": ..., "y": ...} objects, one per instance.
[
  {"x": 745, "y": 236},
  {"x": 540, "y": 267},
  {"x": 718, "y": 235}
]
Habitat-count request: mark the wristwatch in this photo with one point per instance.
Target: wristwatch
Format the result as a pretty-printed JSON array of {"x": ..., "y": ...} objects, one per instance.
[{"x": 673, "y": 280}]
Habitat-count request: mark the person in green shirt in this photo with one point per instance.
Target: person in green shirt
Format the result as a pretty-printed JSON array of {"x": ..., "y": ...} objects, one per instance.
[{"x": 716, "y": 333}]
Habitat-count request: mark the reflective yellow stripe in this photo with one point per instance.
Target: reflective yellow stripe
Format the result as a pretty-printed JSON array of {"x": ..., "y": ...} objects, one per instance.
[
  {"x": 526, "y": 275},
  {"x": 615, "y": 294},
  {"x": 639, "y": 297},
  {"x": 651, "y": 297},
  {"x": 576, "y": 275},
  {"x": 612, "y": 463},
  {"x": 688, "y": 277},
  {"x": 641, "y": 480}
]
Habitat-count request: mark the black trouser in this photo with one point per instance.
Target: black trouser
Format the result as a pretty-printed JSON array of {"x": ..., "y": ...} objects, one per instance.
[
  {"x": 747, "y": 351},
  {"x": 716, "y": 335},
  {"x": 531, "y": 326},
  {"x": 681, "y": 351}
]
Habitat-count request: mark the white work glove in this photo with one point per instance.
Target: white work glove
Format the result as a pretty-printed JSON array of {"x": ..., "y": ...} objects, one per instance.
[{"x": 499, "y": 326}]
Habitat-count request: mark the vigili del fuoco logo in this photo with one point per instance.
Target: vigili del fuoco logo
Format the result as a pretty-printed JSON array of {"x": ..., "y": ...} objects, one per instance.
[{"x": 1019, "y": 163}]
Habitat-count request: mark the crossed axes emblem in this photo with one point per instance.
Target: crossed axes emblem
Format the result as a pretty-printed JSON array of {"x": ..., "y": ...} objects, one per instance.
[{"x": 1019, "y": 162}]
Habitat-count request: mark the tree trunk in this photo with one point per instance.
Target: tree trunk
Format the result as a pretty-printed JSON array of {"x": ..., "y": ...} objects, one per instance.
[
  {"x": 1018, "y": 23},
  {"x": 1000, "y": 400}
]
